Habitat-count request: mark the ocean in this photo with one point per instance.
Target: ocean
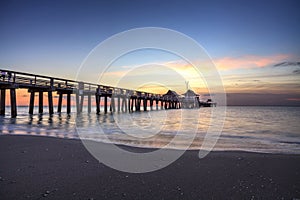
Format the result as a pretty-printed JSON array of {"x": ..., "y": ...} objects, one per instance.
[{"x": 246, "y": 128}]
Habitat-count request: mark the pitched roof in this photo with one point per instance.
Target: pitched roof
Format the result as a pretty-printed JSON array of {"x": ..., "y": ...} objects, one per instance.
[
  {"x": 171, "y": 93},
  {"x": 190, "y": 93}
]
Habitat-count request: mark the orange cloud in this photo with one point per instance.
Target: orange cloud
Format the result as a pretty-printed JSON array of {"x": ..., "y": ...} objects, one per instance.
[
  {"x": 293, "y": 99},
  {"x": 249, "y": 61}
]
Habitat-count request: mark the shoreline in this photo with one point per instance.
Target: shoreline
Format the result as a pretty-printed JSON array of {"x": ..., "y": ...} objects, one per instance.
[
  {"x": 148, "y": 148},
  {"x": 34, "y": 167}
]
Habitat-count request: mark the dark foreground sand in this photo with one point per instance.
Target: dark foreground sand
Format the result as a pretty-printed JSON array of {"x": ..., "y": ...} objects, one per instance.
[{"x": 51, "y": 168}]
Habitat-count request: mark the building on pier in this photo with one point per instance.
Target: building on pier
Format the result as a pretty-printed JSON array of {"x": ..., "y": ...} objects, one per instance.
[
  {"x": 171, "y": 99},
  {"x": 192, "y": 100}
]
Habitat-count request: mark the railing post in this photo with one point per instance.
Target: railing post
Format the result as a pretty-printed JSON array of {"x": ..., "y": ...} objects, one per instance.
[{"x": 14, "y": 79}]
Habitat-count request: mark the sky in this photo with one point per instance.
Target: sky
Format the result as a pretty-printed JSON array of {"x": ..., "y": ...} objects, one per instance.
[{"x": 253, "y": 44}]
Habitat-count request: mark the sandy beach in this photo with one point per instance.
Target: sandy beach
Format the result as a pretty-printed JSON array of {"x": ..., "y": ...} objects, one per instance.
[{"x": 34, "y": 167}]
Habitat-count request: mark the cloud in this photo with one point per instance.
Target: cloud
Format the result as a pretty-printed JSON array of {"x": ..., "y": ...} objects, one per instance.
[
  {"x": 282, "y": 64},
  {"x": 297, "y": 71},
  {"x": 294, "y": 65},
  {"x": 119, "y": 73},
  {"x": 293, "y": 99},
  {"x": 248, "y": 61}
]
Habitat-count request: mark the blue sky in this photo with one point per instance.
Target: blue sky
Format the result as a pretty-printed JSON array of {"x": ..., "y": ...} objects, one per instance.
[{"x": 54, "y": 37}]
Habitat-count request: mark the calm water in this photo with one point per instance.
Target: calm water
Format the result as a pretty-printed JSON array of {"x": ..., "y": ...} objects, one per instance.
[{"x": 258, "y": 129}]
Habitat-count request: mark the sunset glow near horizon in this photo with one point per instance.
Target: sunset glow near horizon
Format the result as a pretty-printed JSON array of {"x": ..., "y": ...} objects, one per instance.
[{"x": 254, "y": 45}]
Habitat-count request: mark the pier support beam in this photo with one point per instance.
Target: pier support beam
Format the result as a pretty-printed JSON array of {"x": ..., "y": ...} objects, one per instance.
[
  {"x": 97, "y": 104},
  {"x": 13, "y": 102},
  {"x": 122, "y": 106},
  {"x": 60, "y": 97},
  {"x": 2, "y": 104},
  {"x": 140, "y": 104},
  {"x": 112, "y": 104},
  {"x": 89, "y": 103},
  {"x": 31, "y": 103},
  {"x": 119, "y": 102},
  {"x": 129, "y": 106},
  {"x": 50, "y": 102},
  {"x": 105, "y": 104},
  {"x": 125, "y": 103},
  {"x": 137, "y": 105},
  {"x": 145, "y": 104},
  {"x": 151, "y": 104},
  {"x": 41, "y": 102},
  {"x": 68, "y": 103},
  {"x": 81, "y": 103},
  {"x": 77, "y": 103},
  {"x": 132, "y": 102}
]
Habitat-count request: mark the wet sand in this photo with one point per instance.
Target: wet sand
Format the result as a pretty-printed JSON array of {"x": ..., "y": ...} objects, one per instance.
[{"x": 35, "y": 167}]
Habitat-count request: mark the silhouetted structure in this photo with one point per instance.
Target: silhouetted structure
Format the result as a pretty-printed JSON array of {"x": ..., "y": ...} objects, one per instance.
[
  {"x": 192, "y": 100},
  {"x": 208, "y": 103},
  {"x": 171, "y": 100},
  {"x": 127, "y": 100}
]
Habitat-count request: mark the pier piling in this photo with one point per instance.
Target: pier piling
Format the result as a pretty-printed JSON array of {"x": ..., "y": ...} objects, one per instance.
[
  {"x": 69, "y": 103},
  {"x": 31, "y": 103},
  {"x": 97, "y": 104},
  {"x": 145, "y": 104},
  {"x": 105, "y": 104},
  {"x": 112, "y": 103},
  {"x": 89, "y": 103},
  {"x": 81, "y": 103},
  {"x": 125, "y": 103},
  {"x": 41, "y": 99},
  {"x": 77, "y": 103},
  {"x": 2, "y": 104},
  {"x": 129, "y": 104},
  {"x": 50, "y": 102},
  {"x": 60, "y": 97},
  {"x": 119, "y": 102},
  {"x": 13, "y": 102}
]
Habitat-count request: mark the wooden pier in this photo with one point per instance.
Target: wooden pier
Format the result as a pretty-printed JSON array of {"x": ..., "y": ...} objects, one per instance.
[{"x": 127, "y": 100}]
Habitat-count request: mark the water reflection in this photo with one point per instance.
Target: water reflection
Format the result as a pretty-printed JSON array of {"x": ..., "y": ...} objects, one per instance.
[{"x": 266, "y": 129}]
